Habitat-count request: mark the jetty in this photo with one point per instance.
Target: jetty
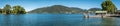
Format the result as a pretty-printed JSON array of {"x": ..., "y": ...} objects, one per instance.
[{"x": 100, "y": 14}]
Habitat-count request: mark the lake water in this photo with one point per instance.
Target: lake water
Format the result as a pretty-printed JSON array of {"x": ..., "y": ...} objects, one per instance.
[{"x": 56, "y": 20}]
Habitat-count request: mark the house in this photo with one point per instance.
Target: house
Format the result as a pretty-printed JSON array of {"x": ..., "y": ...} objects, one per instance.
[{"x": 100, "y": 12}]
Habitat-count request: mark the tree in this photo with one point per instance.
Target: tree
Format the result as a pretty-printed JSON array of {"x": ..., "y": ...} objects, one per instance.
[
  {"x": 18, "y": 10},
  {"x": 107, "y": 5},
  {"x": 6, "y": 9},
  {"x": 0, "y": 10},
  {"x": 108, "y": 0}
]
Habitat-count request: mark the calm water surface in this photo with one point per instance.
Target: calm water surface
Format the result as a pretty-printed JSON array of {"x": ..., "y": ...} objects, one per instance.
[{"x": 56, "y": 20}]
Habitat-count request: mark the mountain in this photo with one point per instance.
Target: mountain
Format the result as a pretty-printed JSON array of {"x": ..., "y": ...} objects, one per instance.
[
  {"x": 58, "y": 9},
  {"x": 94, "y": 9}
]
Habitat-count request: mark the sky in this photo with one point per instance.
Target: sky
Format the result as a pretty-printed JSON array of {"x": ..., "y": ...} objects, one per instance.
[{"x": 33, "y": 4}]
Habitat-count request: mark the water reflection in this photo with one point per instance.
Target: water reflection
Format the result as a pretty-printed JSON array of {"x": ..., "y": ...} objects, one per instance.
[
  {"x": 55, "y": 20},
  {"x": 11, "y": 20},
  {"x": 108, "y": 22},
  {"x": 6, "y": 20},
  {"x": 17, "y": 20}
]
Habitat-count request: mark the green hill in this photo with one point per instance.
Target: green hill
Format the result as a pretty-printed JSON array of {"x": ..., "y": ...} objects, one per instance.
[{"x": 58, "y": 9}]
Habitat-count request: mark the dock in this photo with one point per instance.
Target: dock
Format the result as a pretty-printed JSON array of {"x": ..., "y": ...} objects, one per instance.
[{"x": 101, "y": 16}]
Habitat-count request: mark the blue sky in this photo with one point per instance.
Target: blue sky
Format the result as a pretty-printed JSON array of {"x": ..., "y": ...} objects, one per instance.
[{"x": 33, "y": 4}]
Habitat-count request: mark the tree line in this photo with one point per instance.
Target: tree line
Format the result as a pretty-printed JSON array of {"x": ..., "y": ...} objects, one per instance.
[{"x": 7, "y": 9}]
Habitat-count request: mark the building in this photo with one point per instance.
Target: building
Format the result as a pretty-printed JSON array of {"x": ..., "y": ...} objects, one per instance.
[{"x": 100, "y": 12}]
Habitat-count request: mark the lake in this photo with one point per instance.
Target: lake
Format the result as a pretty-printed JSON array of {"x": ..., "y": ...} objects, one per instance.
[{"x": 56, "y": 20}]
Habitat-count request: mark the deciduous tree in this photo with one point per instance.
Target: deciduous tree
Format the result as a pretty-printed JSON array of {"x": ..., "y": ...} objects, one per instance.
[
  {"x": 6, "y": 9},
  {"x": 18, "y": 10},
  {"x": 107, "y": 5}
]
